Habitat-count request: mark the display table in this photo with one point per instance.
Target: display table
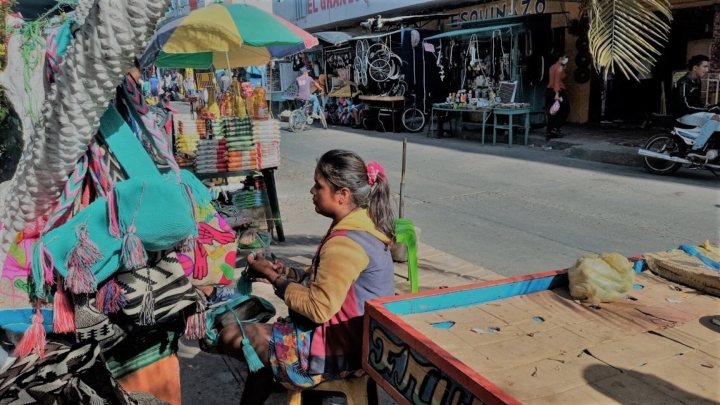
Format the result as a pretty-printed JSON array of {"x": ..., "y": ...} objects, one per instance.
[
  {"x": 483, "y": 111},
  {"x": 373, "y": 101},
  {"x": 269, "y": 176},
  {"x": 510, "y": 112},
  {"x": 526, "y": 340}
]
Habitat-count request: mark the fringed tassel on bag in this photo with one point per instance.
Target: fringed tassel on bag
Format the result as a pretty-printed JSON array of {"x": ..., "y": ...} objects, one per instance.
[
  {"x": 42, "y": 268},
  {"x": 133, "y": 253},
  {"x": 113, "y": 215},
  {"x": 195, "y": 327},
  {"x": 79, "y": 261},
  {"x": 251, "y": 357},
  {"x": 147, "y": 307},
  {"x": 63, "y": 312},
  {"x": 110, "y": 298},
  {"x": 244, "y": 284},
  {"x": 34, "y": 338}
]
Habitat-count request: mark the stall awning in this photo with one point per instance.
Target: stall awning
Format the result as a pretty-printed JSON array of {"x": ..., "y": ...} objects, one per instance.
[
  {"x": 334, "y": 37},
  {"x": 376, "y": 35},
  {"x": 471, "y": 31}
]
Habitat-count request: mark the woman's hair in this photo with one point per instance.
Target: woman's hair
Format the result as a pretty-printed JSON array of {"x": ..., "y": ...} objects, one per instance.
[{"x": 342, "y": 168}]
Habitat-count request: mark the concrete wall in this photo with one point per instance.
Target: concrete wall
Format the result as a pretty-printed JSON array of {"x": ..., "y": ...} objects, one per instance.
[{"x": 308, "y": 14}]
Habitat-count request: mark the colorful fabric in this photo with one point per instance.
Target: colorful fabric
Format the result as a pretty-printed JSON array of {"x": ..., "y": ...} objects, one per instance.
[{"x": 212, "y": 262}]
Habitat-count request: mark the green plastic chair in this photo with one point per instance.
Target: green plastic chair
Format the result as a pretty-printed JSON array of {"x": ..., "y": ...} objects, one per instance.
[{"x": 405, "y": 233}]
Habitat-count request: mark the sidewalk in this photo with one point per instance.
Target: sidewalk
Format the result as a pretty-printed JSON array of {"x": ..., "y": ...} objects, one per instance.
[
  {"x": 606, "y": 143},
  {"x": 435, "y": 269}
]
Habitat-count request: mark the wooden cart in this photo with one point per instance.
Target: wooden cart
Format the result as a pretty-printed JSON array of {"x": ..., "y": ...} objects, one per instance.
[{"x": 525, "y": 340}]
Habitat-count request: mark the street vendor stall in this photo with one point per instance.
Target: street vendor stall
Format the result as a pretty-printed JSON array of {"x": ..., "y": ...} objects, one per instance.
[
  {"x": 527, "y": 340},
  {"x": 235, "y": 135},
  {"x": 480, "y": 66}
]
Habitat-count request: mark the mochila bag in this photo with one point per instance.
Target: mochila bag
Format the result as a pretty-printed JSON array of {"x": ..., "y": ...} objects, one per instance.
[
  {"x": 211, "y": 259},
  {"x": 162, "y": 282},
  {"x": 157, "y": 210},
  {"x": 90, "y": 247}
]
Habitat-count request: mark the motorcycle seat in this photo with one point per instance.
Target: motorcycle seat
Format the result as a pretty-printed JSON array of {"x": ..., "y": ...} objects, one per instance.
[{"x": 669, "y": 121}]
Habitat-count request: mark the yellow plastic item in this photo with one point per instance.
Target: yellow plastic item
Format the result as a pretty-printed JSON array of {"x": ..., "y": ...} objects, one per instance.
[
  {"x": 601, "y": 278},
  {"x": 240, "y": 111},
  {"x": 710, "y": 250}
]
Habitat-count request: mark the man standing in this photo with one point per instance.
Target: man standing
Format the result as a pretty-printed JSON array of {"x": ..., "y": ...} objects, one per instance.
[
  {"x": 689, "y": 108},
  {"x": 555, "y": 92},
  {"x": 304, "y": 82}
]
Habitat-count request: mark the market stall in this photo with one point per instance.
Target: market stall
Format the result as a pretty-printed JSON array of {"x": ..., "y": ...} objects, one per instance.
[
  {"x": 389, "y": 67},
  {"x": 480, "y": 65},
  {"x": 529, "y": 340},
  {"x": 235, "y": 143}
]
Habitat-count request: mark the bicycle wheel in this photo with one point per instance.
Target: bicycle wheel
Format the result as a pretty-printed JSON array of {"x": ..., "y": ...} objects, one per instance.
[
  {"x": 321, "y": 113},
  {"x": 361, "y": 47},
  {"x": 380, "y": 70},
  {"x": 379, "y": 51},
  {"x": 413, "y": 119},
  {"x": 297, "y": 120}
]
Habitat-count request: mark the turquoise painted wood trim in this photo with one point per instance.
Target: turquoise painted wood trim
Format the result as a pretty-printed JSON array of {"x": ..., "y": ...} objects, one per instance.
[{"x": 475, "y": 296}]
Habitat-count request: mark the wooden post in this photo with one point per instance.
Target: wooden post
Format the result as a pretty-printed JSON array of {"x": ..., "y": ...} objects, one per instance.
[{"x": 401, "y": 211}]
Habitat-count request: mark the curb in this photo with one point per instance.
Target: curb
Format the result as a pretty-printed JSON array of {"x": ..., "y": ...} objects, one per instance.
[{"x": 606, "y": 153}]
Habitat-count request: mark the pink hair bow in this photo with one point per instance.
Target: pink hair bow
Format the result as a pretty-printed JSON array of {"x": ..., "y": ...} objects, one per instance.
[{"x": 373, "y": 169}]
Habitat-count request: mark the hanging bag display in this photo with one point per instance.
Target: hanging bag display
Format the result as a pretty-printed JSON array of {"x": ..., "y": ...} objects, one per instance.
[{"x": 210, "y": 260}]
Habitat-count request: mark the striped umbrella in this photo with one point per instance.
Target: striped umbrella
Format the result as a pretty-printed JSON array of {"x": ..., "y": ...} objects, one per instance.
[{"x": 232, "y": 35}]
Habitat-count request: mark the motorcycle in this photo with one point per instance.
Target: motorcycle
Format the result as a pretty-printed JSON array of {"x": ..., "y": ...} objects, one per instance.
[{"x": 666, "y": 153}]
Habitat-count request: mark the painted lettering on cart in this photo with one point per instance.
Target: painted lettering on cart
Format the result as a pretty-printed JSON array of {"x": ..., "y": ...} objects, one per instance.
[
  {"x": 314, "y": 6},
  {"x": 500, "y": 9},
  {"x": 414, "y": 377}
]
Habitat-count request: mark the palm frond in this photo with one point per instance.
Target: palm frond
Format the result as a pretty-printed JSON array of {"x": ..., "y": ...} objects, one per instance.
[{"x": 626, "y": 34}]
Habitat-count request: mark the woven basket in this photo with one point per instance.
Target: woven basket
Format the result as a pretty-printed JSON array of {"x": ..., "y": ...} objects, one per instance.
[{"x": 681, "y": 268}]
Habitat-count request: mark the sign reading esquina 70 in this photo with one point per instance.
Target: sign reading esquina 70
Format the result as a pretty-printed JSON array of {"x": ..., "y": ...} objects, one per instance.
[{"x": 500, "y": 9}]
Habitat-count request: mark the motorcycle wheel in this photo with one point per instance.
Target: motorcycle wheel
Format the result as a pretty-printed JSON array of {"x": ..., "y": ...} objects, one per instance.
[{"x": 666, "y": 144}]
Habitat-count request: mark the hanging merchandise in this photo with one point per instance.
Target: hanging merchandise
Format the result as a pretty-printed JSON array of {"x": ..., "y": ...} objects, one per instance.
[{"x": 338, "y": 58}]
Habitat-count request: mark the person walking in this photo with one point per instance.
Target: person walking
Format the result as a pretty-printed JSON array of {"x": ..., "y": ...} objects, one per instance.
[{"x": 555, "y": 92}]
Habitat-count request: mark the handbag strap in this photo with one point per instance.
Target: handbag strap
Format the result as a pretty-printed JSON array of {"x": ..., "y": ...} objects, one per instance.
[
  {"x": 125, "y": 145},
  {"x": 145, "y": 119}
]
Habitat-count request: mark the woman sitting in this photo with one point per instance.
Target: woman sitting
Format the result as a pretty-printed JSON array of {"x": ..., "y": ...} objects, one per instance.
[{"x": 322, "y": 337}]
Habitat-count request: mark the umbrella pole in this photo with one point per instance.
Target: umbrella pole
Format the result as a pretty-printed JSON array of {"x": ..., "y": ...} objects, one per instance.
[
  {"x": 270, "y": 88},
  {"x": 401, "y": 211}
]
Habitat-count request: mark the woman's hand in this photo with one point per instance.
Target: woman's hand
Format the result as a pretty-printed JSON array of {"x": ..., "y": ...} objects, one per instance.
[
  {"x": 261, "y": 268},
  {"x": 280, "y": 267}
]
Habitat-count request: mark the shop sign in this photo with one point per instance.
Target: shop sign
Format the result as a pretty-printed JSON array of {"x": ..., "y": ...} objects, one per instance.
[
  {"x": 314, "y": 6},
  {"x": 501, "y": 9}
]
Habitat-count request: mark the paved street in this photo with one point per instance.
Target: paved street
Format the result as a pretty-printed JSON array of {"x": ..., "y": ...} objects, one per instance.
[{"x": 513, "y": 210}]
